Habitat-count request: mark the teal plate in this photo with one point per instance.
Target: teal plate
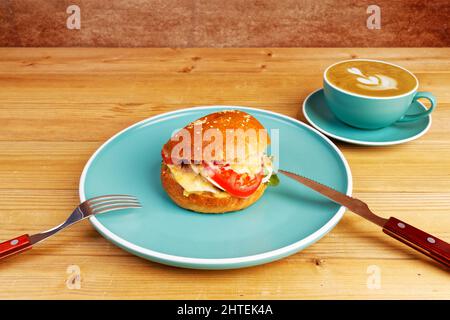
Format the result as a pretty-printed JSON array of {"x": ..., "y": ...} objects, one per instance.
[
  {"x": 285, "y": 220},
  {"x": 320, "y": 117}
]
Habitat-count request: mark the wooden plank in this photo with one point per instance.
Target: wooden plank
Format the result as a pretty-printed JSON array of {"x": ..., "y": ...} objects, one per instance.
[
  {"x": 185, "y": 89},
  {"x": 18, "y": 119},
  {"x": 309, "y": 61},
  {"x": 291, "y": 278}
]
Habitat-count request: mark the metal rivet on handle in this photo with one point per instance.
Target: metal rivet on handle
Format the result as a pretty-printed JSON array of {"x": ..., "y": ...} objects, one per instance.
[
  {"x": 431, "y": 240},
  {"x": 14, "y": 242},
  {"x": 401, "y": 225}
]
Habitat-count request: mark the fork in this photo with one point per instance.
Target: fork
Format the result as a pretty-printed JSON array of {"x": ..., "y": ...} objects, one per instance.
[{"x": 86, "y": 209}]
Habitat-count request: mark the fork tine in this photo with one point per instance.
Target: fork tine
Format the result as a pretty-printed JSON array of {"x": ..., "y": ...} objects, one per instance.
[
  {"x": 107, "y": 204},
  {"x": 111, "y": 196},
  {"x": 115, "y": 207},
  {"x": 113, "y": 201},
  {"x": 84, "y": 210}
]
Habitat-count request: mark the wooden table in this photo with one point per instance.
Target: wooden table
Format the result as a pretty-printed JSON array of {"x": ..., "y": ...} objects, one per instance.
[{"x": 58, "y": 105}]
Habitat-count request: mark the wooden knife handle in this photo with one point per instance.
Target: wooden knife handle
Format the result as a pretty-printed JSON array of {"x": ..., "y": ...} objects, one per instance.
[
  {"x": 423, "y": 242},
  {"x": 14, "y": 246}
]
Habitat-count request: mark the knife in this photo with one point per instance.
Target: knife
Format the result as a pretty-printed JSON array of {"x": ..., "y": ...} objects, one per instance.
[{"x": 417, "y": 239}]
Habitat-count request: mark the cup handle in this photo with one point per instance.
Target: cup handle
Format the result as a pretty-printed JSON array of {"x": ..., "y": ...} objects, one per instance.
[{"x": 414, "y": 117}]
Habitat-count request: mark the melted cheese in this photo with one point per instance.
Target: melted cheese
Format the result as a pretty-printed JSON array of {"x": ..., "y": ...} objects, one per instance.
[
  {"x": 220, "y": 194},
  {"x": 190, "y": 181},
  {"x": 253, "y": 166},
  {"x": 198, "y": 169},
  {"x": 194, "y": 179}
]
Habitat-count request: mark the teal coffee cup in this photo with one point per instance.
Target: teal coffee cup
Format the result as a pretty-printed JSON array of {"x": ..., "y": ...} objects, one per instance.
[{"x": 374, "y": 110}]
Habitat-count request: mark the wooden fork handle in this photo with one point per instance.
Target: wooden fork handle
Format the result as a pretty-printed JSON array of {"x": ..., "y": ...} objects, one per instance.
[
  {"x": 14, "y": 246},
  {"x": 423, "y": 242}
]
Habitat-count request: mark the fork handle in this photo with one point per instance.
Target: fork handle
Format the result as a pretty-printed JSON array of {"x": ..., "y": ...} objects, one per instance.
[
  {"x": 14, "y": 246},
  {"x": 419, "y": 240}
]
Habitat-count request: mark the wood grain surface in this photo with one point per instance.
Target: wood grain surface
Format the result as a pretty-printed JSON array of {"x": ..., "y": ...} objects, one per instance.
[{"x": 58, "y": 105}]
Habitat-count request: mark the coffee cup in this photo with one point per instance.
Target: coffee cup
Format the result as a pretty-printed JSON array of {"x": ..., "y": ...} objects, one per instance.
[{"x": 372, "y": 94}]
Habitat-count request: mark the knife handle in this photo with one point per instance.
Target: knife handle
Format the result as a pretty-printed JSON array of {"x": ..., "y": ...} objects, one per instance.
[
  {"x": 419, "y": 240},
  {"x": 14, "y": 246}
]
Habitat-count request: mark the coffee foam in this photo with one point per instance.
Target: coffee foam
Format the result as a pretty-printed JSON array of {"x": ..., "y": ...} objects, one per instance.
[
  {"x": 371, "y": 78},
  {"x": 376, "y": 82}
]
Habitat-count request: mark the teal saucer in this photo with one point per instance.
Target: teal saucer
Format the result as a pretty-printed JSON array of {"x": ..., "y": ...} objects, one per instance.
[
  {"x": 320, "y": 117},
  {"x": 287, "y": 219}
]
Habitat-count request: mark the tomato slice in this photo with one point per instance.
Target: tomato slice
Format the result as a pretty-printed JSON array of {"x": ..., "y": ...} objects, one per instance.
[
  {"x": 166, "y": 159},
  {"x": 238, "y": 185}
]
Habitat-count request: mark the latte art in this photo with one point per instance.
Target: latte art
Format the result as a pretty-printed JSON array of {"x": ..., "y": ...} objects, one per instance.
[
  {"x": 376, "y": 82},
  {"x": 371, "y": 78}
]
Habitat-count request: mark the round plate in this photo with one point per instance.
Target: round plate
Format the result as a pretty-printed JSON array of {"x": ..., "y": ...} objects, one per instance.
[
  {"x": 286, "y": 219},
  {"x": 320, "y": 117}
]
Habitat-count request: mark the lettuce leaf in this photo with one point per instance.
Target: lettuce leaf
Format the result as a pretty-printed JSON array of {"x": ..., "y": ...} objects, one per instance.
[{"x": 273, "y": 181}]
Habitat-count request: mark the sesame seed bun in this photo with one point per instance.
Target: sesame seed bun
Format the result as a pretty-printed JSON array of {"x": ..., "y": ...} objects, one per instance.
[
  {"x": 208, "y": 202},
  {"x": 221, "y": 122}
]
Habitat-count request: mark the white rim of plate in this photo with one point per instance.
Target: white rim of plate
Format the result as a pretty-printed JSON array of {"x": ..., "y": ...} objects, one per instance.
[
  {"x": 361, "y": 142},
  {"x": 218, "y": 261}
]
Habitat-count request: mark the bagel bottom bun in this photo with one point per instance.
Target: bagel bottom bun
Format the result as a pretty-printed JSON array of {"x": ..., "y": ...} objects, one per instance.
[{"x": 205, "y": 202}]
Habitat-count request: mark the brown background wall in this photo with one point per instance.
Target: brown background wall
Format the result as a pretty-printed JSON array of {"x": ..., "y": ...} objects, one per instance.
[{"x": 224, "y": 23}]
